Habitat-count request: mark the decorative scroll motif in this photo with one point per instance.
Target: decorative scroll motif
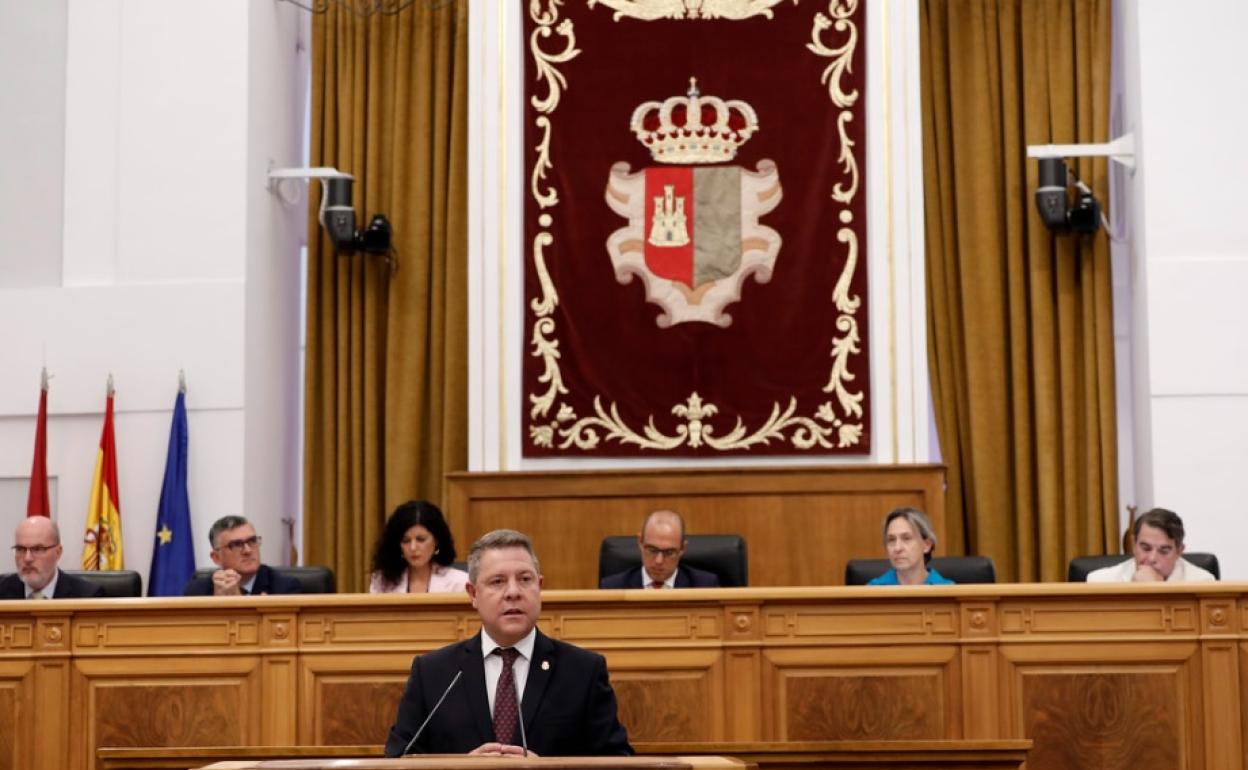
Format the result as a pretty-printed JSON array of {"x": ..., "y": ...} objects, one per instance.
[
  {"x": 847, "y": 344},
  {"x": 837, "y": 422},
  {"x": 649, "y": 10},
  {"x": 802, "y": 432},
  {"x": 545, "y": 346}
]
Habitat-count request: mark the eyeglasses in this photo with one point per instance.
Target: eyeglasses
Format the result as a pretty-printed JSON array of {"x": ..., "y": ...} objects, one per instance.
[
  {"x": 666, "y": 553},
  {"x": 240, "y": 544},
  {"x": 33, "y": 550}
]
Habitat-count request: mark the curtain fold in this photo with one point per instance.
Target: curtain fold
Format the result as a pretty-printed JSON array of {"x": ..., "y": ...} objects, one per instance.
[
  {"x": 386, "y": 368},
  {"x": 1019, "y": 322}
]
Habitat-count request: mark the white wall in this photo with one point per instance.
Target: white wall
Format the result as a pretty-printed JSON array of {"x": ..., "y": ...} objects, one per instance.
[
  {"x": 497, "y": 253},
  {"x": 1189, "y": 266},
  {"x": 175, "y": 257}
]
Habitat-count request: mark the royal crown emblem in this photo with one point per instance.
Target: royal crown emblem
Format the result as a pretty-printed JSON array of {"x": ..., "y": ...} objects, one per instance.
[
  {"x": 693, "y": 234},
  {"x": 694, "y": 128}
]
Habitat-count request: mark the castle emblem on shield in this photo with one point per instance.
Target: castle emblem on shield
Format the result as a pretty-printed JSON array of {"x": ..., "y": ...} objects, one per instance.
[{"x": 693, "y": 235}]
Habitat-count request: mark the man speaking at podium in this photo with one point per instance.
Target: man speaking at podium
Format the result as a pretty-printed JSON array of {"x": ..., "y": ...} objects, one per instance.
[{"x": 510, "y": 690}]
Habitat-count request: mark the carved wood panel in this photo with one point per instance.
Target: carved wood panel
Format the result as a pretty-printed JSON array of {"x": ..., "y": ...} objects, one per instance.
[
  {"x": 8, "y": 725},
  {"x": 667, "y": 707},
  {"x": 356, "y": 712},
  {"x": 174, "y": 713},
  {"x": 1107, "y": 721},
  {"x": 863, "y": 705},
  {"x": 17, "y": 714}
]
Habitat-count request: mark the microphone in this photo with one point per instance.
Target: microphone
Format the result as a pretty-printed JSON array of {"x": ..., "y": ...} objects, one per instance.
[
  {"x": 432, "y": 711},
  {"x": 524, "y": 739}
]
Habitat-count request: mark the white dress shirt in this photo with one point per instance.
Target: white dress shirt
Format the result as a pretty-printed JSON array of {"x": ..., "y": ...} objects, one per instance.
[{"x": 494, "y": 664}]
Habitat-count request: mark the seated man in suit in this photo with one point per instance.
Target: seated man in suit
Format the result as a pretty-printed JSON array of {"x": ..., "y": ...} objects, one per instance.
[
  {"x": 37, "y": 552},
  {"x": 1157, "y": 554},
  {"x": 520, "y": 689},
  {"x": 236, "y": 550},
  {"x": 662, "y": 542}
]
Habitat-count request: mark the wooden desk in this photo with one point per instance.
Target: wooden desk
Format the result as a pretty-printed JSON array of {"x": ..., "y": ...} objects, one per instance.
[
  {"x": 460, "y": 762},
  {"x": 1147, "y": 677}
]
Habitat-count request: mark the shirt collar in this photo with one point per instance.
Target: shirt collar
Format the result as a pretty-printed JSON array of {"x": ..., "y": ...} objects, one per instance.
[
  {"x": 524, "y": 646},
  {"x": 50, "y": 589},
  {"x": 646, "y": 580}
]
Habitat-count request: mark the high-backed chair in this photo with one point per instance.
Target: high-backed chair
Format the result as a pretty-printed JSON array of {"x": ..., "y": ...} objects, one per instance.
[
  {"x": 1080, "y": 566},
  {"x": 117, "y": 584},
  {"x": 313, "y": 579},
  {"x": 959, "y": 569},
  {"x": 724, "y": 555}
]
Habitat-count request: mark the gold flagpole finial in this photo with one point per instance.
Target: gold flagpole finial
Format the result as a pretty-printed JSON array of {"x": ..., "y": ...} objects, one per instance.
[
  {"x": 43, "y": 379},
  {"x": 110, "y": 383},
  {"x": 182, "y": 381}
]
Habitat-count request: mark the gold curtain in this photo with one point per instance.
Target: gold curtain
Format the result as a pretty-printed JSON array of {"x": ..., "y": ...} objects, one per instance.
[
  {"x": 386, "y": 393},
  {"x": 1019, "y": 322}
]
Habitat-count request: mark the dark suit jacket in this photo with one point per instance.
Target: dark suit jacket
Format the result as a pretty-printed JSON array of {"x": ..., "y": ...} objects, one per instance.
[
  {"x": 568, "y": 705},
  {"x": 268, "y": 581},
  {"x": 686, "y": 577},
  {"x": 67, "y": 587}
]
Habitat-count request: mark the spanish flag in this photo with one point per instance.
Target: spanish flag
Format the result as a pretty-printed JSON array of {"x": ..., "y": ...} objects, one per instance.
[{"x": 102, "y": 542}]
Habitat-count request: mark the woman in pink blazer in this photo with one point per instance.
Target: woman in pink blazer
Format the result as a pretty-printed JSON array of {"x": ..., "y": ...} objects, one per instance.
[{"x": 415, "y": 552}]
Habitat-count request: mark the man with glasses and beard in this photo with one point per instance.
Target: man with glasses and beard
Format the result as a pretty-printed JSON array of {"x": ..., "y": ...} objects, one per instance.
[
  {"x": 236, "y": 551},
  {"x": 661, "y": 542},
  {"x": 37, "y": 552}
]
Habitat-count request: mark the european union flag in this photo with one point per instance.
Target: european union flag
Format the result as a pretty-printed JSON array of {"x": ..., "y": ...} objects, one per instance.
[{"x": 173, "y": 560}]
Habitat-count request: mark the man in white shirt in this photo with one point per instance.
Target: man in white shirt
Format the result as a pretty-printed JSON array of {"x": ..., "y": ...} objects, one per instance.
[
  {"x": 522, "y": 693},
  {"x": 1157, "y": 552}
]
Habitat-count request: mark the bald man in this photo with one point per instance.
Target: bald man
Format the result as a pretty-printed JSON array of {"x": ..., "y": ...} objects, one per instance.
[
  {"x": 662, "y": 543},
  {"x": 37, "y": 550}
]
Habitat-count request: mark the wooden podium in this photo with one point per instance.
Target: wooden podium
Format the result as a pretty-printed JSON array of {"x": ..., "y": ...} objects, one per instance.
[{"x": 461, "y": 762}]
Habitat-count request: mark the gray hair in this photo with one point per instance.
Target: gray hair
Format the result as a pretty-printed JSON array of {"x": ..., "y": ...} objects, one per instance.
[
  {"x": 918, "y": 520},
  {"x": 499, "y": 538},
  {"x": 221, "y": 525}
]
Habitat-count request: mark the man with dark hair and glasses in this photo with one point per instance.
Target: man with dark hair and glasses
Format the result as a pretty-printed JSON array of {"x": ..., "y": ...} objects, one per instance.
[
  {"x": 236, "y": 550},
  {"x": 662, "y": 542},
  {"x": 37, "y": 551}
]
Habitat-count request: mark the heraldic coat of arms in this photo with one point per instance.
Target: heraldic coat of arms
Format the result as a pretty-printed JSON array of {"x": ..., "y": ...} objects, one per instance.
[{"x": 693, "y": 234}]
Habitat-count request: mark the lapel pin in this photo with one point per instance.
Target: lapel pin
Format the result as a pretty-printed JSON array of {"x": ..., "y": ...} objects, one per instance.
[{"x": 545, "y": 665}]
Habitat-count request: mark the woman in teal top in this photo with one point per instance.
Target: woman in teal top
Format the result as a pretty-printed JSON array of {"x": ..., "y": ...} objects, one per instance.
[{"x": 909, "y": 540}]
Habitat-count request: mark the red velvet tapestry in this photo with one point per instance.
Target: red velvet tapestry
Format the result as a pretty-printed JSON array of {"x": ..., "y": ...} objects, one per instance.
[{"x": 695, "y": 228}]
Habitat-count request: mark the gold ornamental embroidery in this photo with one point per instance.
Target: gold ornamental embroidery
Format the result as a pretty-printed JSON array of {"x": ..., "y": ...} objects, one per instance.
[
  {"x": 545, "y": 345},
  {"x": 650, "y": 10},
  {"x": 825, "y": 427}
]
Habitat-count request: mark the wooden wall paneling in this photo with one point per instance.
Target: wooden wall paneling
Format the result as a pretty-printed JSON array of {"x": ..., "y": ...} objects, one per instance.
[
  {"x": 393, "y": 622},
  {"x": 279, "y": 677},
  {"x": 743, "y": 634},
  {"x": 51, "y": 651},
  {"x": 981, "y": 701},
  {"x": 200, "y": 700},
  {"x": 861, "y": 693},
  {"x": 1096, "y": 704},
  {"x": 17, "y": 722},
  {"x": 1243, "y": 693},
  {"x": 1098, "y": 676},
  {"x": 837, "y": 511},
  {"x": 665, "y": 696},
  {"x": 1219, "y": 657},
  {"x": 348, "y": 700}
]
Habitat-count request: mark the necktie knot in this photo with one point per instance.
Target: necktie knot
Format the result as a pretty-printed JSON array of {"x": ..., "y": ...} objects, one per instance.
[
  {"x": 37, "y": 594},
  {"x": 508, "y": 654},
  {"x": 657, "y": 584}
]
